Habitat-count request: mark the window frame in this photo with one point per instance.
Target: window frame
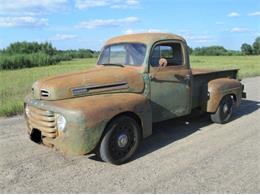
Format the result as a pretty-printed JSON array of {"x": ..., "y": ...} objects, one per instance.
[{"x": 170, "y": 41}]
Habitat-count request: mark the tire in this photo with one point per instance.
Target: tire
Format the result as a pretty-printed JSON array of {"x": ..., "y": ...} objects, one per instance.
[
  {"x": 224, "y": 110},
  {"x": 121, "y": 140}
]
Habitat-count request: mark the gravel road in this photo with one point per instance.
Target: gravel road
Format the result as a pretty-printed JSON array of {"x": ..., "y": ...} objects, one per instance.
[{"x": 188, "y": 155}]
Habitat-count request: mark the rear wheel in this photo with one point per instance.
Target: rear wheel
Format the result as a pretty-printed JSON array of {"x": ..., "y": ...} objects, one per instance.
[
  {"x": 224, "y": 110},
  {"x": 121, "y": 140}
]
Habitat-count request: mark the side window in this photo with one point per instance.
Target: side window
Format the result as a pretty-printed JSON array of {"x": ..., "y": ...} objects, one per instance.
[
  {"x": 166, "y": 51},
  {"x": 172, "y": 52}
]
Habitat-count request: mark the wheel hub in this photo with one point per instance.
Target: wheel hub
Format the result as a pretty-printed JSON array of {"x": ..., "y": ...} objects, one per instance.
[
  {"x": 225, "y": 108},
  {"x": 122, "y": 140}
]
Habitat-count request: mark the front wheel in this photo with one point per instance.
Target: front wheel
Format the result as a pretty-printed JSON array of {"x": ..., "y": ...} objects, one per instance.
[
  {"x": 224, "y": 110},
  {"x": 121, "y": 140}
]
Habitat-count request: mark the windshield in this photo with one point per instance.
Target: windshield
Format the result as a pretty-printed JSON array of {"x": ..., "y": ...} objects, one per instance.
[{"x": 123, "y": 54}]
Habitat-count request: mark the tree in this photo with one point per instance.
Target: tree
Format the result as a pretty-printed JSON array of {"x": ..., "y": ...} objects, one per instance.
[
  {"x": 246, "y": 49},
  {"x": 256, "y": 46}
]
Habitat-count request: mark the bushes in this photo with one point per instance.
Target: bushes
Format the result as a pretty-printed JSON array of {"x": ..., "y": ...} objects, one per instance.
[
  {"x": 30, "y": 47},
  {"x": 81, "y": 53},
  {"x": 214, "y": 51},
  {"x": 32, "y": 54},
  {"x": 31, "y": 60},
  {"x": 26, "y": 60},
  {"x": 210, "y": 51},
  {"x": 246, "y": 49}
]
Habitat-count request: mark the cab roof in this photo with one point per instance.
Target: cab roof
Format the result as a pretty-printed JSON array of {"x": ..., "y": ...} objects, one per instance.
[{"x": 146, "y": 38}]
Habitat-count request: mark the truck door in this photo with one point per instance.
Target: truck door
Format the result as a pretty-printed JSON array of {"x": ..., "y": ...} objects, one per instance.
[{"x": 170, "y": 86}]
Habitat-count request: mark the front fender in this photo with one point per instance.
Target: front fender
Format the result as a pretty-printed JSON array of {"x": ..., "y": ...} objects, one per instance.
[{"x": 98, "y": 110}]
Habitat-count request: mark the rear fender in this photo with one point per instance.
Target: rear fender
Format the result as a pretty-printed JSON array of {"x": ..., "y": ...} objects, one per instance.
[{"x": 217, "y": 89}]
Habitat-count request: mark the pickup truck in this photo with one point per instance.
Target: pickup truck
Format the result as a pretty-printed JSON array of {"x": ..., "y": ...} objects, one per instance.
[{"x": 139, "y": 79}]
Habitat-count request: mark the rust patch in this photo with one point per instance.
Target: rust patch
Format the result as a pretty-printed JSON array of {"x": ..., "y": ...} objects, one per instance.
[
  {"x": 219, "y": 88},
  {"x": 96, "y": 80},
  {"x": 146, "y": 38},
  {"x": 88, "y": 116}
]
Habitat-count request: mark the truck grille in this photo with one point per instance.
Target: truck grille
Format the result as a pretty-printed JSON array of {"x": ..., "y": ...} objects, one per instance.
[{"x": 43, "y": 121}]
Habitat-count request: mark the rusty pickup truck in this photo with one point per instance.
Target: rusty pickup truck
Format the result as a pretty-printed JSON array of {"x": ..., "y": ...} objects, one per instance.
[{"x": 138, "y": 80}]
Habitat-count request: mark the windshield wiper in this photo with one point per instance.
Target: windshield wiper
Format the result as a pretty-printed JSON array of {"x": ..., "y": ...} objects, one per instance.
[{"x": 109, "y": 64}]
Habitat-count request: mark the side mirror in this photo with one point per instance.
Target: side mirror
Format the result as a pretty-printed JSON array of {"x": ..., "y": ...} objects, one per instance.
[{"x": 162, "y": 64}]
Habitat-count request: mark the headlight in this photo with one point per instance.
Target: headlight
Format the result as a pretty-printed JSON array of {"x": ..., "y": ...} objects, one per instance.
[{"x": 61, "y": 122}]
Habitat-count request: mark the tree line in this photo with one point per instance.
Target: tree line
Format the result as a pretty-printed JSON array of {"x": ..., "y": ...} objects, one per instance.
[
  {"x": 31, "y": 54},
  {"x": 246, "y": 49}
]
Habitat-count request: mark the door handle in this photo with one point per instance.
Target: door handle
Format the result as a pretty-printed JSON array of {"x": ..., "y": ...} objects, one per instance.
[{"x": 187, "y": 77}]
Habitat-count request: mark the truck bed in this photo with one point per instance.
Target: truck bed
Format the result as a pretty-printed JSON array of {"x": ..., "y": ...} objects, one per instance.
[
  {"x": 201, "y": 71},
  {"x": 200, "y": 79}
]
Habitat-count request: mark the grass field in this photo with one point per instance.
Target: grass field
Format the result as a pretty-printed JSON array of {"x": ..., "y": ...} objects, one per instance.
[{"x": 15, "y": 84}]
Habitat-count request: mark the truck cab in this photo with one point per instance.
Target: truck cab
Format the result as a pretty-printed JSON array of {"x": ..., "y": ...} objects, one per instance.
[{"x": 139, "y": 79}]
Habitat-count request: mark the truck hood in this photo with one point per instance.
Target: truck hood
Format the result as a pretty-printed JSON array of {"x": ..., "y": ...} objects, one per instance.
[{"x": 97, "y": 80}]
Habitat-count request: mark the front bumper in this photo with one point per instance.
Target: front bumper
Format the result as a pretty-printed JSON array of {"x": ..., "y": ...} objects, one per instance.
[{"x": 77, "y": 139}]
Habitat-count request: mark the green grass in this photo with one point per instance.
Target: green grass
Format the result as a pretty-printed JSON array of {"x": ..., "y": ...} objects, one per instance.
[
  {"x": 15, "y": 84},
  {"x": 249, "y": 65}
]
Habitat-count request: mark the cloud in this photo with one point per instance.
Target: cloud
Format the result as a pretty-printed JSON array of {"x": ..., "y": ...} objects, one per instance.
[
  {"x": 116, "y": 4},
  {"x": 106, "y": 22},
  {"x": 255, "y": 13},
  {"x": 28, "y": 7},
  {"x": 151, "y": 30},
  {"x": 239, "y": 30},
  {"x": 62, "y": 37},
  {"x": 201, "y": 38},
  {"x": 23, "y": 21},
  {"x": 233, "y": 14},
  {"x": 85, "y": 4},
  {"x": 127, "y": 4}
]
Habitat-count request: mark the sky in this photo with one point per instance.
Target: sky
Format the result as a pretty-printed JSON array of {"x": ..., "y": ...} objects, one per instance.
[{"x": 74, "y": 24}]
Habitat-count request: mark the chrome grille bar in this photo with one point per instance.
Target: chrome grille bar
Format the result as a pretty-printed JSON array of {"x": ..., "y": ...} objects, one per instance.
[{"x": 42, "y": 120}]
